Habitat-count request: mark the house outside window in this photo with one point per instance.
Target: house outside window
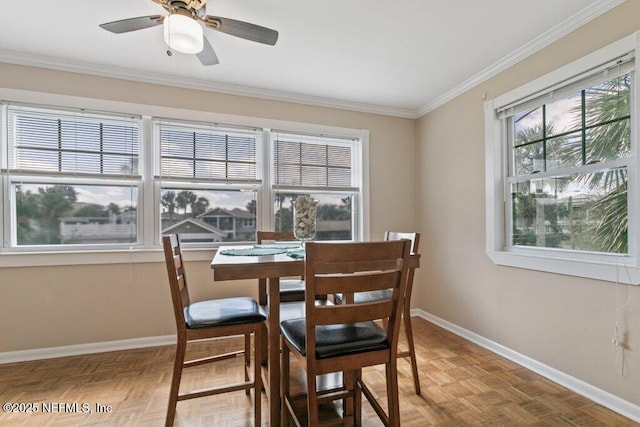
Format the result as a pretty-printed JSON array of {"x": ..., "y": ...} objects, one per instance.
[{"x": 562, "y": 169}]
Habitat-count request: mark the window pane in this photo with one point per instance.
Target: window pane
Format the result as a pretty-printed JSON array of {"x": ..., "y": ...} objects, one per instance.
[
  {"x": 528, "y": 126},
  {"x": 312, "y": 161},
  {"x": 200, "y": 153},
  {"x": 38, "y": 160},
  {"x": 35, "y": 131},
  {"x": 564, "y": 115},
  {"x": 528, "y": 159},
  {"x": 48, "y": 214},
  {"x": 334, "y": 215},
  {"x": 564, "y": 151},
  {"x": 209, "y": 146},
  {"x": 608, "y": 100},
  {"x": 586, "y": 212},
  {"x": 208, "y": 215},
  {"x": 607, "y": 120},
  {"x": 66, "y": 143},
  {"x": 608, "y": 142}
]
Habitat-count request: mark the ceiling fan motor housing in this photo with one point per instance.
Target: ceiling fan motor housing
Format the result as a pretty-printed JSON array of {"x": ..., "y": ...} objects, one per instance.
[{"x": 193, "y": 5}]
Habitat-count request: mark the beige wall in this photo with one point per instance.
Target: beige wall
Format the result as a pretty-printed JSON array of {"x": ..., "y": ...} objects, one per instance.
[
  {"x": 57, "y": 306},
  {"x": 565, "y": 322}
]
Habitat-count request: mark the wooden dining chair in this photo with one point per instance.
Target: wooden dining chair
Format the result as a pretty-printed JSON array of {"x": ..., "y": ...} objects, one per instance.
[
  {"x": 345, "y": 338},
  {"x": 406, "y": 311},
  {"x": 211, "y": 319},
  {"x": 290, "y": 289}
]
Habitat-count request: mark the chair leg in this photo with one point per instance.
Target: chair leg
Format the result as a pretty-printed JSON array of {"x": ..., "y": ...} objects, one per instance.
[
  {"x": 348, "y": 379},
  {"x": 357, "y": 398},
  {"x": 312, "y": 399},
  {"x": 264, "y": 356},
  {"x": 181, "y": 349},
  {"x": 257, "y": 375},
  {"x": 284, "y": 383},
  {"x": 412, "y": 350},
  {"x": 247, "y": 358},
  {"x": 393, "y": 392}
]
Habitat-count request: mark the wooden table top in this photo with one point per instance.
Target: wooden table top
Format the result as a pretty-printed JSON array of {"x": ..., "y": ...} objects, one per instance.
[{"x": 234, "y": 267}]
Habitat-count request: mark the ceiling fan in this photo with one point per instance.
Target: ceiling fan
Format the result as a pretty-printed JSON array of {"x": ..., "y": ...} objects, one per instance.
[{"x": 183, "y": 32}]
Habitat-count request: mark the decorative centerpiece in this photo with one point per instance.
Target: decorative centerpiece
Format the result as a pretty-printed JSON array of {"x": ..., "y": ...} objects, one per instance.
[{"x": 304, "y": 218}]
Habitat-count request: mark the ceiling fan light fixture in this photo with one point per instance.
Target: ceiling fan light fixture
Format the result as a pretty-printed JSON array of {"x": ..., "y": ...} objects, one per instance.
[{"x": 183, "y": 33}]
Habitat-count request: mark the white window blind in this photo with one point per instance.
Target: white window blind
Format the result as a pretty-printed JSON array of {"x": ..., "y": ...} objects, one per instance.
[
  {"x": 208, "y": 153},
  {"x": 609, "y": 70},
  {"x": 71, "y": 143},
  {"x": 314, "y": 162}
]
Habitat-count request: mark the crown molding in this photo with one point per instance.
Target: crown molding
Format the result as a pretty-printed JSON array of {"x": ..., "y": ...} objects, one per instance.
[
  {"x": 19, "y": 58},
  {"x": 585, "y": 15}
]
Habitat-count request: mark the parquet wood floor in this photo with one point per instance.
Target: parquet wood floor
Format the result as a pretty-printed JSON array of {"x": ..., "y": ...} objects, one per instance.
[{"x": 462, "y": 385}]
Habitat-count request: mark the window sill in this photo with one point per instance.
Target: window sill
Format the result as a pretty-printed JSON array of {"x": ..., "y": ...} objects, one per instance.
[
  {"x": 624, "y": 271},
  {"x": 124, "y": 256}
]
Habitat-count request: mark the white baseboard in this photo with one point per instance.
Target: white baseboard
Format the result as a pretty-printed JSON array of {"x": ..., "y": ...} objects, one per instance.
[
  {"x": 604, "y": 398},
  {"x": 75, "y": 350}
]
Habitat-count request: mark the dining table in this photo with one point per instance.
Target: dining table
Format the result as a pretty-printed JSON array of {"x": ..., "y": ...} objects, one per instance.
[{"x": 245, "y": 262}]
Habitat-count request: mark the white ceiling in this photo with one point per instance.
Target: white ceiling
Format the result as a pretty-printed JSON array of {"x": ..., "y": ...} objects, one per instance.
[{"x": 400, "y": 57}]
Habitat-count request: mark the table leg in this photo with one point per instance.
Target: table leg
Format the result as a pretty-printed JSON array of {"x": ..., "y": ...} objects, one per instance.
[
  {"x": 274, "y": 351},
  {"x": 263, "y": 300}
]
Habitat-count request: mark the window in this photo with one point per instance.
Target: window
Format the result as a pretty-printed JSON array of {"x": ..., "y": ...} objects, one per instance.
[
  {"x": 99, "y": 184},
  {"x": 325, "y": 168},
  {"x": 562, "y": 169},
  {"x": 73, "y": 178},
  {"x": 208, "y": 178}
]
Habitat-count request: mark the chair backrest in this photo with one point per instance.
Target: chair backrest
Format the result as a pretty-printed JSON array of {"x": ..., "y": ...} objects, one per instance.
[
  {"x": 415, "y": 245},
  {"x": 177, "y": 277},
  {"x": 346, "y": 268},
  {"x": 414, "y": 237},
  {"x": 274, "y": 236}
]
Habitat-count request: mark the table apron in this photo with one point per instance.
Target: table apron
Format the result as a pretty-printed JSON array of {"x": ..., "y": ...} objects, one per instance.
[{"x": 263, "y": 271}]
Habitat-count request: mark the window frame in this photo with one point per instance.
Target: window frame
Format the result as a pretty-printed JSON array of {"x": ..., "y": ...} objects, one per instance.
[
  {"x": 257, "y": 184},
  {"x": 149, "y": 249},
  {"x": 608, "y": 267},
  {"x": 12, "y": 176},
  {"x": 355, "y": 191}
]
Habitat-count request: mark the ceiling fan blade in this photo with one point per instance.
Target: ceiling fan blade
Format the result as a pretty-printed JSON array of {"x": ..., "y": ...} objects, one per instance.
[
  {"x": 207, "y": 56},
  {"x": 242, "y": 29},
  {"x": 133, "y": 24}
]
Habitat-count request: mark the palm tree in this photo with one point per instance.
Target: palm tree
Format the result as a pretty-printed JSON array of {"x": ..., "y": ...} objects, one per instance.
[
  {"x": 168, "y": 201},
  {"x": 186, "y": 198},
  {"x": 610, "y": 227},
  {"x": 199, "y": 206},
  {"x": 607, "y": 118}
]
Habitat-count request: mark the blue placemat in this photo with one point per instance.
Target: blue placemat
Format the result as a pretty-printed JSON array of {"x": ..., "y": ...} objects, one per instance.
[
  {"x": 253, "y": 251},
  {"x": 299, "y": 254}
]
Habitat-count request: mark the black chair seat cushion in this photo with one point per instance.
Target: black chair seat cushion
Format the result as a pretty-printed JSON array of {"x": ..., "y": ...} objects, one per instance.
[
  {"x": 223, "y": 312},
  {"x": 336, "y": 340},
  {"x": 292, "y": 290},
  {"x": 371, "y": 296}
]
